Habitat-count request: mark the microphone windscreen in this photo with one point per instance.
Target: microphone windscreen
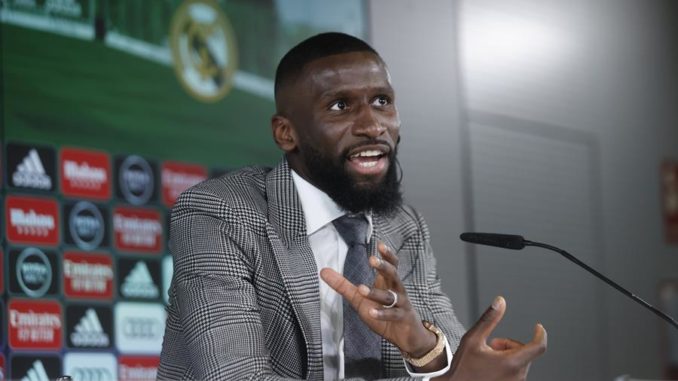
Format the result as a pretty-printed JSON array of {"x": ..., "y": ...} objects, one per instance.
[{"x": 506, "y": 241}]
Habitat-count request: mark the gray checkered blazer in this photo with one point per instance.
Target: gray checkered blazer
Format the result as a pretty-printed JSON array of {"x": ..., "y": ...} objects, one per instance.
[{"x": 244, "y": 301}]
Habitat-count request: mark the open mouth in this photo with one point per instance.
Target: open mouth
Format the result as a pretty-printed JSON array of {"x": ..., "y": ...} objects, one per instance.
[{"x": 369, "y": 160}]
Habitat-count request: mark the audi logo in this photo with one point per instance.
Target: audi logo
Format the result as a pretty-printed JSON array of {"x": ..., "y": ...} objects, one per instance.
[
  {"x": 141, "y": 328},
  {"x": 92, "y": 374}
]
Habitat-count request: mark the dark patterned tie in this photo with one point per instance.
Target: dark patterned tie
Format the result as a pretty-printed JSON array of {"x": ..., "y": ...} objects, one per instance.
[{"x": 362, "y": 347}]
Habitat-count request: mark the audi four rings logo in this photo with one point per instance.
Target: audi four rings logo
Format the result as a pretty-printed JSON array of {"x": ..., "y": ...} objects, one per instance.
[
  {"x": 142, "y": 328},
  {"x": 92, "y": 374},
  {"x": 91, "y": 366},
  {"x": 139, "y": 327},
  {"x": 86, "y": 225}
]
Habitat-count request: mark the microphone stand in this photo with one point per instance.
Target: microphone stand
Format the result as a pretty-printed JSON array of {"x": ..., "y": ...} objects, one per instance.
[{"x": 605, "y": 279}]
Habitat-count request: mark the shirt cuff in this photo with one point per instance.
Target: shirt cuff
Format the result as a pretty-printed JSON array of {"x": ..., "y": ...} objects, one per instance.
[{"x": 428, "y": 376}]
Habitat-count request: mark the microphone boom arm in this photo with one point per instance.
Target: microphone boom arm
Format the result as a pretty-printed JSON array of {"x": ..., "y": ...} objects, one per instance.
[{"x": 605, "y": 279}]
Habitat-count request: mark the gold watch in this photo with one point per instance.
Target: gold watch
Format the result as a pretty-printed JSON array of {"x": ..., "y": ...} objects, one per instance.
[{"x": 433, "y": 353}]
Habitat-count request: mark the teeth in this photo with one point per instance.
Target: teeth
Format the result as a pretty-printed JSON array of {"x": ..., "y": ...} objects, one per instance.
[
  {"x": 368, "y": 164},
  {"x": 370, "y": 153}
]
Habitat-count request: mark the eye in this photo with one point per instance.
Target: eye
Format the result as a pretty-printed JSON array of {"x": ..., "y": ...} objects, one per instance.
[
  {"x": 338, "y": 105},
  {"x": 381, "y": 100}
]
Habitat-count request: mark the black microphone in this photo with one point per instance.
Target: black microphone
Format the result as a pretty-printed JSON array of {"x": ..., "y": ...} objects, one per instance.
[
  {"x": 516, "y": 242},
  {"x": 506, "y": 241}
]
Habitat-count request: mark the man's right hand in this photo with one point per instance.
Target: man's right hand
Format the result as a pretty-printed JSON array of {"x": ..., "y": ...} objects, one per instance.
[{"x": 498, "y": 360}]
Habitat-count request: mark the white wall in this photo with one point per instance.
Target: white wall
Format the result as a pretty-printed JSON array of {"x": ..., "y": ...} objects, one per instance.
[{"x": 605, "y": 72}]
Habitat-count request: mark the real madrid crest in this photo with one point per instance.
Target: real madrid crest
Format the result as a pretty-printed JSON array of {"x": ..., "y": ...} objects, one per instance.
[{"x": 203, "y": 49}]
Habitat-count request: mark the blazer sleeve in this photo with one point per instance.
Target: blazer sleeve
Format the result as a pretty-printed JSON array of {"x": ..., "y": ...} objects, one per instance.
[
  {"x": 435, "y": 301},
  {"x": 215, "y": 299}
]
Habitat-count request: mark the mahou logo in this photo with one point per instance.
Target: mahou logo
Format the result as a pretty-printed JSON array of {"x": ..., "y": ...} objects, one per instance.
[
  {"x": 177, "y": 177},
  {"x": 85, "y": 173},
  {"x": 34, "y": 324},
  {"x": 88, "y": 275},
  {"x": 138, "y": 368},
  {"x": 137, "y": 230},
  {"x": 32, "y": 220}
]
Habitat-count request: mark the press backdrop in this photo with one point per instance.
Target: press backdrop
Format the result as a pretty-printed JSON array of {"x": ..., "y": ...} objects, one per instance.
[{"x": 111, "y": 108}]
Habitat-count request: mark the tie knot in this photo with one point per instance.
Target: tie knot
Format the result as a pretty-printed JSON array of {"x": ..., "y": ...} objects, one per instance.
[{"x": 352, "y": 228}]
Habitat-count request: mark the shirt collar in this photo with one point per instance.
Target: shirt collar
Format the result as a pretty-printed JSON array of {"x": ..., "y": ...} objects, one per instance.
[{"x": 319, "y": 208}]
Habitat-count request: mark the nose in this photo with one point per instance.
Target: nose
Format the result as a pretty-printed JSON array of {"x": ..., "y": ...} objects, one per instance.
[{"x": 367, "y": 123}]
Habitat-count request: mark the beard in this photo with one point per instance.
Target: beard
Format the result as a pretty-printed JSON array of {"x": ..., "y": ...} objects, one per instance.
[{"x": 330, "y": 176}]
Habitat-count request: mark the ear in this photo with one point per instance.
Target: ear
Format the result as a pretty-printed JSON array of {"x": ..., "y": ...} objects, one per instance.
[{"x": 283, "y": 133}]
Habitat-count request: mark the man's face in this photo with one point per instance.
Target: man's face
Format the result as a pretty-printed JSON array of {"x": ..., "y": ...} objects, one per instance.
[{"x": 346, "y": 128}]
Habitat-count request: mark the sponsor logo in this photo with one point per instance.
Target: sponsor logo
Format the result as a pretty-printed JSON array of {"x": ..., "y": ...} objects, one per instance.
[
  {"x": 91, "y": 367},
  {"x": 89, "y": 327},
  {"x": 177, "y": 177},
  {"x": 167, "y": 273},
  {"x": 32, "y": 220},
  {"x": 134, "y": 368},
  {"x": 85, "y": 173},
  {"x": 138, "y": 278},
  {"x": 136, "y": 180},
  {"x": 137, "y": 230},
  {"x": 34, "y": 324},
  {"x": 36, "y": 373},
  {"x": 34, "y": 272},
  {"x": 31, "y": 167},
  {"x": 88, "y": 275},
  {"x": 139, "y": 327},
  {"x": 31, "y": 174},
  {"x": 203, "y": 49},
  {"x": 86, "y": 225},
  {"x": 34, "y": 368}
]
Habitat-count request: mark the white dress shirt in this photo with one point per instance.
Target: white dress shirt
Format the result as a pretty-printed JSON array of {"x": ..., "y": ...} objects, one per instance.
[{"x": 329, "y": 250}]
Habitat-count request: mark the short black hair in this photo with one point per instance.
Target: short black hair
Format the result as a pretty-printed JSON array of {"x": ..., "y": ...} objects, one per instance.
[{"x": 315, "y": 47}]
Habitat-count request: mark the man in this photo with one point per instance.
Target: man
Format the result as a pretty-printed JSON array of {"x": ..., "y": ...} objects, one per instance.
[{"x": 315, "y": 269}]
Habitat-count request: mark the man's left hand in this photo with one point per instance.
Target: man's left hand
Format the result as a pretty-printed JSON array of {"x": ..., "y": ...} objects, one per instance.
[{"x": 399, "y": 324}]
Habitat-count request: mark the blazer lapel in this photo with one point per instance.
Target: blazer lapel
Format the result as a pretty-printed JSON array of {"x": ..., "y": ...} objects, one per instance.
[
  {"x": 379, "y": 234},
  {"x": 287, "y": 233},
  {"x": 392, "y": 363}
]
